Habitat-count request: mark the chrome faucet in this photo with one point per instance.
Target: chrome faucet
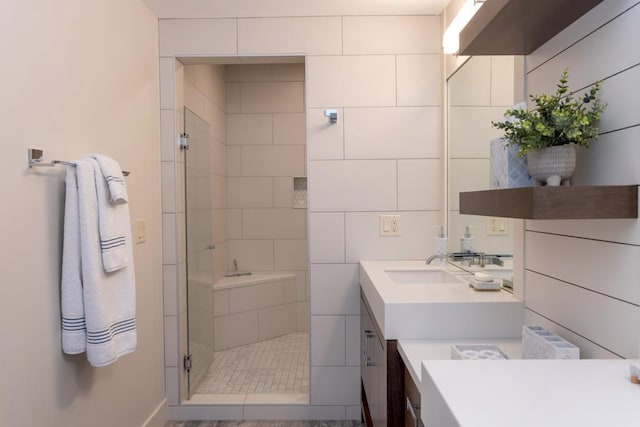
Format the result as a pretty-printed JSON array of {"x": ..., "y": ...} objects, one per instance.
[
  {"x": 437, "y": 256},
  {"x": 237, "y": 272}
]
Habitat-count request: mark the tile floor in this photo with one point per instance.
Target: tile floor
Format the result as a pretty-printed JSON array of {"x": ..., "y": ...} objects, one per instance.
[{"x": 276, "y": 366}]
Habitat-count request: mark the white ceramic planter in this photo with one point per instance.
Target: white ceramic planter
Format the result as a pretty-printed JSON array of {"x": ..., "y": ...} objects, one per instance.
[{"x": 552, "y": 165}]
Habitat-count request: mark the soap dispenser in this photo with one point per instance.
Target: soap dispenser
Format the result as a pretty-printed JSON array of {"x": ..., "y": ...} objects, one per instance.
[
  {"x": 441, "y": 246},
  {"x": 466, "y": 242}
]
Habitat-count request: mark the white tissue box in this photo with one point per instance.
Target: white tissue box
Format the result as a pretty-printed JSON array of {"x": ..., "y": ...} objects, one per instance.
[
  {"x": 538, "y": 343},
  {"x": 477, "y": 352},
  {"x": 507, "y": 170}
]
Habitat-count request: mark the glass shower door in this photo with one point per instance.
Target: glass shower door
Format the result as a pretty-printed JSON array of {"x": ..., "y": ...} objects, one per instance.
[{"x": 200, "y": 248}]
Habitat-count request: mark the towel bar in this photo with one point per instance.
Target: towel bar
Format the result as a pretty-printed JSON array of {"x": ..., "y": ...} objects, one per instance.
[{"x": 35, "y": 159}]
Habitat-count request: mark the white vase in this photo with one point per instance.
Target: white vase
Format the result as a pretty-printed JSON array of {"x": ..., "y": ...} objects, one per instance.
[{"x": 552, "y": 165}]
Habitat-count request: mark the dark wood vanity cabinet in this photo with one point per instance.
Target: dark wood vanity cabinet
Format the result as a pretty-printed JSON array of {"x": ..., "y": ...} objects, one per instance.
[
  {"x": 411, "y": 402},
  {"x": 382, "y": 374}
]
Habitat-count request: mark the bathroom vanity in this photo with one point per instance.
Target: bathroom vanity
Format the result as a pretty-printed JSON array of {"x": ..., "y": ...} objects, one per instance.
[
  {"x": 528, "y": 393},
  {"x": 409, "y": 300},
  {"x": 381, "y": 372},
  {"x": 413, "y": 352}
]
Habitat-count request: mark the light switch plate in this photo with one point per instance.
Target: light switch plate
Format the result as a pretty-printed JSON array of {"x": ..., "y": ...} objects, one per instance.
[
  {"x": 497, "y": 226},
  {"x": 389, "y": 225},
  {"x": 141, "y": 231}
]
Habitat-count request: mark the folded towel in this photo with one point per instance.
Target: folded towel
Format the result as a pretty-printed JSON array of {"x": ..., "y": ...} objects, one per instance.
[
  {"x": 109, "y": 298},
  {"x": 74, "y": 331},
  {"x": 115, "y": 229},
  {"x": 112, "y": 173}
]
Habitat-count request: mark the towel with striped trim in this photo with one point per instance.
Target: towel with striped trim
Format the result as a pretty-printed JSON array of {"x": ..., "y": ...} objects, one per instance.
[
  {"x": 98, "y": 307},
  {"x": 113, "y": 215}
]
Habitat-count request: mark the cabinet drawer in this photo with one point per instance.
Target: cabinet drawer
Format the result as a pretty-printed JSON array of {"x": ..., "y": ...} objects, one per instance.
[{"x": 412, "y": 402}]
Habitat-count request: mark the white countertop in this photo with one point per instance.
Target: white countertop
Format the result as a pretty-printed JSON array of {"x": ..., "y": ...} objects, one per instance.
[
  {"x": 413, "y": 352},
  {"x": 437, "y": 311},
  {"x": 529, "y": 393}
]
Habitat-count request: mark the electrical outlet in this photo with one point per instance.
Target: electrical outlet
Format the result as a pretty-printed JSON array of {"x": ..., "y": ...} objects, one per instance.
[
  {"x": 497, "y": 226},
  {"x": 389, "y": 225}
]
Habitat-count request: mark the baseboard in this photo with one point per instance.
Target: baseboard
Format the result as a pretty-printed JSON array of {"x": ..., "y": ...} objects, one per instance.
[{"x": 158, "y": 417}]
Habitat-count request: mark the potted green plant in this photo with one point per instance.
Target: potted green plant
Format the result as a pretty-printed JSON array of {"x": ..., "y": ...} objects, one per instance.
[{"x": 549, "y": 133}]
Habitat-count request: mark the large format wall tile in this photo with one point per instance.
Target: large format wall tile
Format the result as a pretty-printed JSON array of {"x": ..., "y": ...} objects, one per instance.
[
  {"x": 419, "y": 80},
  {"x": 351, "y": 81},
  {"x": 420, "y": 184},
  {"x": 335, "y": 289},
  {"x": 353, "y": 185},
  {"x": 391, "y": 34},
  {"x": 310, "y": 36},
  {"x": 326, "y": 237},
  {"x": 249, "y": 129},
  {"x": 197, "y": 37},
  {"x": 277, "y": 223},
  {"x": 273, "y": 160},
  {"x": 328, "y": 340},
  {"x": 392, "y": 133},
  {"x": 364, "y": 240}
]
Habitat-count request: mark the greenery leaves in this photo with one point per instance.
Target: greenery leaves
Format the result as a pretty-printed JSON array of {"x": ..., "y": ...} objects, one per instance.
[{"x": 557, "y": 119}]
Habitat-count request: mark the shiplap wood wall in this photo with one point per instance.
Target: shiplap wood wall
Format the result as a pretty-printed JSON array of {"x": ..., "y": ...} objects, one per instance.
[{"x": 583, "y": 277}]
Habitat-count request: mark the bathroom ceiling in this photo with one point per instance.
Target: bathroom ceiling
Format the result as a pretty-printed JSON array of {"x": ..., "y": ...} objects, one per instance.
[{"x": 283, "y": 8}]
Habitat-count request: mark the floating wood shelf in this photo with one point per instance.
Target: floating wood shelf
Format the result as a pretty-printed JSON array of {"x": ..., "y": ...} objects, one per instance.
[
  {"x": 518, "y": 27},
  {"x": 580, "y": 202}
]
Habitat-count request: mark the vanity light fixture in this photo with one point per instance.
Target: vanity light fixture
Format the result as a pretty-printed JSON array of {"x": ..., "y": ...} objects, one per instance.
[{"x": 451, "y": 36}]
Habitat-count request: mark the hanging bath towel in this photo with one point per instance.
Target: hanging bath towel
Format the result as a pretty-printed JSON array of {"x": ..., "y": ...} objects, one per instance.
[
  {"x": 115, "y": 229},
  {"x": 108, "y": 298},
  {"x": 74, "y": 331}
]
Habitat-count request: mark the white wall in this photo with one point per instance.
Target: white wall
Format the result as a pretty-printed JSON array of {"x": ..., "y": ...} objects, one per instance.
[
  {"x": 78, "y": 77},
  {"x": 582, "y": 278},
  {"x": 384, "y": 155}
]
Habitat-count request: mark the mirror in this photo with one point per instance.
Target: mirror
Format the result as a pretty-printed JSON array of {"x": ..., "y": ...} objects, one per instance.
[{"x": 478, "y": 91}]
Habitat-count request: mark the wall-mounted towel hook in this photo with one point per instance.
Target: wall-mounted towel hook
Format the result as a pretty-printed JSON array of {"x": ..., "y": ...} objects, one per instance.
[
  {"x": 332, "y": 114},
  {"x": 35, "y": 159}
]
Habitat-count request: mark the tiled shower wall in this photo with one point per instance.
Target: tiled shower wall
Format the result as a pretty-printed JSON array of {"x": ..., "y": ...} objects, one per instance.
[
  {"x": 582, "y": 277},
  {"x": 205, "y": 95},
  {"x": 266, "y": 140},
  {"x": 383, "y": 74}
]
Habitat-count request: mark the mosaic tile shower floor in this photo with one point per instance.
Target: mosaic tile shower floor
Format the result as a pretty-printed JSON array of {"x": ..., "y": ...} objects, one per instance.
[{"x": 276, "y": 366}]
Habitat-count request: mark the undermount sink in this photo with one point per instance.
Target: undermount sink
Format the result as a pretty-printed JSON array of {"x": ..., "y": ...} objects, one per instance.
[
  {"x": 422, "y": 277},
  {"x": 412, "y": 300}
]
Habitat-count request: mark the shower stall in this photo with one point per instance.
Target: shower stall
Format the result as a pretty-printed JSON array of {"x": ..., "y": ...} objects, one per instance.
[{"x": 246, "y": 232}]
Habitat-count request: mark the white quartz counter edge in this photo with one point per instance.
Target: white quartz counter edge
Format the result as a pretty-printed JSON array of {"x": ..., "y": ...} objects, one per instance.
[
  {"x": 407, "y": 301},
  {"x": 529, "y": 393},
  {"x": 413, "y": 352}
]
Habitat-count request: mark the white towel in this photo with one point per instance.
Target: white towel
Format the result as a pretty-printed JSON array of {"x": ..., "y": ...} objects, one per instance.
[
  {"x": 115, "y": 229},
  {"x": 109, "y": 298},
  {"x": 112, "y": 173},
  {"x": 74, "y": 331}
]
